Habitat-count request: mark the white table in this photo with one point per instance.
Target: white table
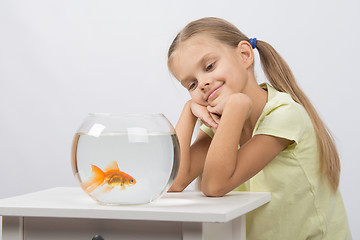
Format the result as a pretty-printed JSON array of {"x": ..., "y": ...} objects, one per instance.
[{"x": 68, "y": 213}]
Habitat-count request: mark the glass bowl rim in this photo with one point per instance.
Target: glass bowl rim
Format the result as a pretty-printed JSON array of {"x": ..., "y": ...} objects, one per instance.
[{"x": 104, "y": 114}]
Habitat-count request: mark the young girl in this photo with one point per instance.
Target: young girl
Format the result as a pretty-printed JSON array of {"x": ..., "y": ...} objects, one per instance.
[{"x": 255, "y": 138}]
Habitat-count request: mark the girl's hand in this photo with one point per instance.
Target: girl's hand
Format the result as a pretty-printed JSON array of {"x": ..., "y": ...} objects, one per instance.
[
  {"x": 201, "y": 112},
  {"x": 242, "y": 99}
]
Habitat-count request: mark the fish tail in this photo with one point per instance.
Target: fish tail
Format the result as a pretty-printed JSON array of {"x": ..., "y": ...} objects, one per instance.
[{"x": 96, "y": 181}]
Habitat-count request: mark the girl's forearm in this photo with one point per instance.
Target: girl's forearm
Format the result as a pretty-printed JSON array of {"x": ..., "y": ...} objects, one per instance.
[
  {"x": 221, "y": 159},
  {"x": 184, "y": 130}
]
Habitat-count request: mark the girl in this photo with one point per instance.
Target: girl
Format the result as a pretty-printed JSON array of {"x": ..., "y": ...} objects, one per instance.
[{"x": 255, "y": 138}]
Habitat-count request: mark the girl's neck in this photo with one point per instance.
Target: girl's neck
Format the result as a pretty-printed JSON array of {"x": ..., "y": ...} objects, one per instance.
[{"x": 259, "y": 98}]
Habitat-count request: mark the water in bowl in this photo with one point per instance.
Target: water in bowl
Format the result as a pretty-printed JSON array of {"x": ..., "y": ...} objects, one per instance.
[{"x": 147, "y": 165}]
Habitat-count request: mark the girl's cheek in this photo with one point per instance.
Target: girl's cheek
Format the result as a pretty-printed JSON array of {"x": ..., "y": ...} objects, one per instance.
[
  {"x": 197, "y": 99},
  {"x": 200, "y": 102}
]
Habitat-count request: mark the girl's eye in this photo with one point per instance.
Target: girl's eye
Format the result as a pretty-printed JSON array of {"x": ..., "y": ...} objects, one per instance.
[
  {"x": 192, "y": 85},
  {"x": 209, "y": 67}
]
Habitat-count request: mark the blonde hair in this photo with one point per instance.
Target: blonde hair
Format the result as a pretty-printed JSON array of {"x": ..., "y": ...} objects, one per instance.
[{"x": 279, "y": 75}]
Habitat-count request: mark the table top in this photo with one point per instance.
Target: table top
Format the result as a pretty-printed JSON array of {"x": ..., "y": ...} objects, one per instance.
[{"x": 187, "y": 206}]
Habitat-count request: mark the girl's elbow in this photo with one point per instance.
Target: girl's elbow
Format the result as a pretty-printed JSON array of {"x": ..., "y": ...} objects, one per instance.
[
  {"x": 212, "y": 190},
  {"x": 176, "y": 188},
  {"x": 212, "y": 194}
]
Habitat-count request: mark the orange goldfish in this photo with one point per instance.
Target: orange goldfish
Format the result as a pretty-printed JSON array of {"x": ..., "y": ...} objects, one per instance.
[{"x": 112, "y": 176}]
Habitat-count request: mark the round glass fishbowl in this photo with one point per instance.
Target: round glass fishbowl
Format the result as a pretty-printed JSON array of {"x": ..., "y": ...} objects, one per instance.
[{"x": 125, "y": 158}]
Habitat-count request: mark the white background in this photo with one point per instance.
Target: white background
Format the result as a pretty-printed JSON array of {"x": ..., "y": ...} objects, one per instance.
[{"x": 62, "y": 59}]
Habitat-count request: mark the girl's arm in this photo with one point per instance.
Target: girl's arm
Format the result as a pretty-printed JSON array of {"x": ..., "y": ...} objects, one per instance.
[
  {"x": 192, "y": 157},
  {"x": 226, "y": 167}
]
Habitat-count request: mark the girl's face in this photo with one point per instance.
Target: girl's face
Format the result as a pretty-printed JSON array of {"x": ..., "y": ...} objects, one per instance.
[{"x": 209, "y": 69}]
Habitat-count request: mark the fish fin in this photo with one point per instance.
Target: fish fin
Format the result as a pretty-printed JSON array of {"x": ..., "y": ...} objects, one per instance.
[
  {"x": 96, "y": 181},
  {"x": 122, "y": 187},
  {"x": 98, "y": 173},
  {"x": 112, "y": 166},
  {"x": 107, "y": 189}
]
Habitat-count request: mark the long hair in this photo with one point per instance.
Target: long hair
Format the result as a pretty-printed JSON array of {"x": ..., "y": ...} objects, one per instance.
[{"x": 279, "y": 75}]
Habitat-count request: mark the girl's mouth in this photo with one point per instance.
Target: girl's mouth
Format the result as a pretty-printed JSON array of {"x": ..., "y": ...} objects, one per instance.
[{"x": 213, "y": 92}]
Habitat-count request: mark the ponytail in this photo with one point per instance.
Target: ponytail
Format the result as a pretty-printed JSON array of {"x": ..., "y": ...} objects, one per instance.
[{"x": 281, "y": 78}]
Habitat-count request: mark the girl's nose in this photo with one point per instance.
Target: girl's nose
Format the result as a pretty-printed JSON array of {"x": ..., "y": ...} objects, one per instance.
[{"x": 205, "y": 85}]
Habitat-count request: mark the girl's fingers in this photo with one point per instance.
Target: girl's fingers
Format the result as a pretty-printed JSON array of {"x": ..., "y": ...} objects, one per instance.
[
  {"x": 215, "y": 117},
  {"x": 211, "y": 109},
  {"x": 209, "y": 121}
]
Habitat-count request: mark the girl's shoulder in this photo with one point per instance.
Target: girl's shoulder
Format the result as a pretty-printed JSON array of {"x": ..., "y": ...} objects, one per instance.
[
  {"x": 282, "y": 116},
  {"x": 282, "y": 105}
]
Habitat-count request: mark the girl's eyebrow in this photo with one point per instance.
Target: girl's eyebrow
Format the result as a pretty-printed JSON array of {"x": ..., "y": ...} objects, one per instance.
[
  {"x": 183, "y": 81},
  {"x": 205, "y": 58}
]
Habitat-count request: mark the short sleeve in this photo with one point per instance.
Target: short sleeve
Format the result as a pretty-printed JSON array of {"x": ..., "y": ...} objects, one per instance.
[
  {"x": 207, "y": 130},
  {"x": 284, "y": 121}
]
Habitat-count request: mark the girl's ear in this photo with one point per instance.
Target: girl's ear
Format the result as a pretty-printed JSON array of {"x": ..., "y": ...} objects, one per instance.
[{"x": 246, "y": 53}]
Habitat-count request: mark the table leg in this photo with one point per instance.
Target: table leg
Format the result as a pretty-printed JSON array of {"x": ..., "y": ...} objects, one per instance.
[
  {"x": 239, "y": 228},
  {"x": 233, "y": 230},
  {"x": 191, "y": 231},
  {"x": 13, "y": 228}
]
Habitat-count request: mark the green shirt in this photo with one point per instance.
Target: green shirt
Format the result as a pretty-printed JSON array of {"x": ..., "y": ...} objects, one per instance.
[{"x": 303, "y": 205}]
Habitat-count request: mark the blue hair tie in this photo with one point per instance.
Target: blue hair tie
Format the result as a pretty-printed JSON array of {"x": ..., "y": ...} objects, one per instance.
[{"x": 252, "y": 41}]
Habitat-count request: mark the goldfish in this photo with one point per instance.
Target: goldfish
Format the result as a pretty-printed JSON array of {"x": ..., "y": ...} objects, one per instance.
[{"x": 111, "y": 176}]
